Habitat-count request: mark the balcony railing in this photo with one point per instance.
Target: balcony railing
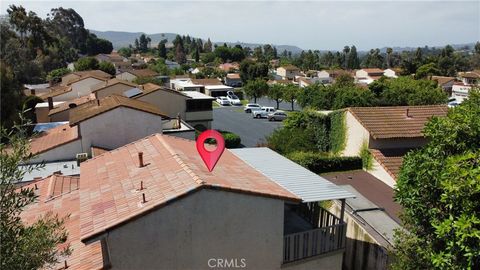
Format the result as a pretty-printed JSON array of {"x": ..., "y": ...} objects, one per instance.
[{"x": 329, "y": 236}]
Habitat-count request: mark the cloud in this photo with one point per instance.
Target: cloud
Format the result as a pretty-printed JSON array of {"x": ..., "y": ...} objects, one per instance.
[{"x": 308, "y": 24}]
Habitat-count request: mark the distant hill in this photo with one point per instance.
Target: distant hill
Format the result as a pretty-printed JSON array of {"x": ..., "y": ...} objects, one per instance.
[{"x": 123, "y": 39}]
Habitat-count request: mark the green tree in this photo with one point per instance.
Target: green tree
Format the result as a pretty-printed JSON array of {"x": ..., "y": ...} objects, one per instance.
[
  {"x": 250, "y": 70},
  {"x": 162, "y": 49},
  {"x": 56, "y": 75},
  {"x": 290, "y": 94},
  {"x": 438, "y": 187},
  {"x": 86, "y": 63},
  {"x": 125, "y": 52},
  {"x": 31, "y": 246},
  {"x": 405, "y": 91},
  {"x": 353, "y": 62},
  {"x": 208, "y": 47},
  {"x": 107, "y": 67},
  {"x": 276, "y": 92},
  {"x": 427, "y": 71},
  {"x": 256, "y": 88}
]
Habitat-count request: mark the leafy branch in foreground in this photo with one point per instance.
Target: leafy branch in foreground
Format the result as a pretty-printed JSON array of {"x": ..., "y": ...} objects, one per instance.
[{"x": 24, "y": 246}]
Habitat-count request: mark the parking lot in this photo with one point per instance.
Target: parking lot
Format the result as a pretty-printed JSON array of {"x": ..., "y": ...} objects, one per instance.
[{"x": 251, "y": 131}]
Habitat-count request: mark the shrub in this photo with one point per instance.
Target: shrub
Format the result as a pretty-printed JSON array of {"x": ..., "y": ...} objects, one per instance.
[
  {"x": 321, "y": 162},
  {"x": 366, "y": 156}
]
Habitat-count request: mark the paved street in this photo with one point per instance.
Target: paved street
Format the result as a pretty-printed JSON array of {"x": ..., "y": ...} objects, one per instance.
[{"x": 251, "y": 131}]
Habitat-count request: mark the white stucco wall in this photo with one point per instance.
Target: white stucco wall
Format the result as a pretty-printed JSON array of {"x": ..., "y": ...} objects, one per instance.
[
  {"x": 361, "y": 73},
  {"x": 167, "y": 102},
  {"x": 356, "y": 136},
  {"x": 63, "y": 152},
  {"x": 204, "y": 225},
  {"x": 390, "y": 73},
  {"x": 79, "y": 89},
  {"x": 118, "y": 127},
  {"x": 126, "y": 76},
  {"x": 379, "y": 172}
]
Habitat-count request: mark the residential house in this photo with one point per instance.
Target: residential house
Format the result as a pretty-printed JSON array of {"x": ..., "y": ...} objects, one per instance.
[
  {"x": 153, "y": 203},
  {"x": 229, "y": 67},
  {"x": 172, "y": 64},
  {"x": 211, "y": 87},
  {"x": 42, "y": 110},
  {"x": 372, "y": 218},
  {"x": 193, "y": 107},
  {"x": 110, "y": 87},
  {"x": 133, "y": 74},
  {"x": 304, "y": 82},
  {"x": 390, "y": 73},
  {"x": 368, "y": 75},
  {"x": 74, "y": 76},
  {"x": 233, "y": 80},
  {"x": 72, "y": 88},
  {"x": 61, "y": 112},
  {"x": 282, "y": 82},
  {"x": 460, "y": 90},
  {"x": 288, "y": 72},
  {"x": 388, "y": 132},
  {"x": 446, "y": 83},
  {"x": 324, "y": 77},
  {"x": 107, "y": 123}
]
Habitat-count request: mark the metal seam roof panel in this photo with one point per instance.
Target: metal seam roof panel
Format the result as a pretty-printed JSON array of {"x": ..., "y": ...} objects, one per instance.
[{"x": 307, "y": 185}]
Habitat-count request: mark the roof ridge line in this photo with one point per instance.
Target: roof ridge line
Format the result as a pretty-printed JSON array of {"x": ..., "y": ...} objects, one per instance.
[{"x": 182, "y": 164}]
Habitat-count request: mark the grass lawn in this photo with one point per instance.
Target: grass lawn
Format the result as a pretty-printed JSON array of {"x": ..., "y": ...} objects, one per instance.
[
  {"x": 244, "y": 102},
  {"x": 215, "y": 105}
]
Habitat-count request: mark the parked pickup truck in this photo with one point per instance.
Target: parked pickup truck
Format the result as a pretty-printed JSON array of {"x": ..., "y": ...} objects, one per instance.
[{"x": 263, "y": 112}]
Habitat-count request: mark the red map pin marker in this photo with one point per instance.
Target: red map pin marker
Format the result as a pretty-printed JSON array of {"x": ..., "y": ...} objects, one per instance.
[{"x": 210, "y": 157}]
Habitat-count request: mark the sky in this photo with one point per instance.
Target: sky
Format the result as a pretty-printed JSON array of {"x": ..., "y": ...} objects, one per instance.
[{"x": 308, "y": 24}]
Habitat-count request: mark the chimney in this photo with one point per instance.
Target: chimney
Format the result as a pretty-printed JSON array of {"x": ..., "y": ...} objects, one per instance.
[
  {"x": 140, "y": 159},
  {"x": 407, "y": 114},
  {"x": 98, "y": 102},
  {"x": 143, "y": 198},
  {"x": 50, "y": 103},
  {"x": 32, "y": 92}
]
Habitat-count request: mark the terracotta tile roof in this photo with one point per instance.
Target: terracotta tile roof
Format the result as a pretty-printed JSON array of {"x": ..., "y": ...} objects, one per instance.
[
  {"x": 142, "y": 72},
  {"x": 87, "y": 77},
  {"x": 390, "y": 159},
  {"x": 110, "y": 183},
  {"x": 65, "y": 203},
  {"x": 99, "y": 106},
  {"x": 375, "y": 77},
  {"x": 111, "y": 82},
  {"x": 53, "y": 138},
  {"x": 475, "y": 74},
  {"x": 206, "y": 82},
  {"x": 233, "y": 75},
  {"x": 97, "y": 151},
  {"x": 66, "y": 105},
  {"x": 228, "y": 66},
  {"x": 279, "y": 82},
  {"x": 150, "y": 88},
  {"x": 392, "y": 122},
  {"x": 441, "y": 80},
  {"x": 373, "y": 71},
  {"x": 290, "y": 67},
  {"x": 54, "y": 91},
  {"x": 96, "y": 73},
  {"x": 370, "y": 187}
]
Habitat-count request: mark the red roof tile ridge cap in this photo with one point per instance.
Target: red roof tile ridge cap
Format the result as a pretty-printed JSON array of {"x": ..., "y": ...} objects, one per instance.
[{"x": 177, "y": 158}]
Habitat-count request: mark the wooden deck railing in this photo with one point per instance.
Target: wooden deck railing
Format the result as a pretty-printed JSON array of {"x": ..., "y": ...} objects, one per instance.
[
  {"x": 314, "y": 242},
  {"x": 328, "y": 236}
]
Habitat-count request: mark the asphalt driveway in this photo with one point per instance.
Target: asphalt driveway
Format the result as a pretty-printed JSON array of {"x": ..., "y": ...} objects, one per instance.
[{"x": 251, "y": 131}]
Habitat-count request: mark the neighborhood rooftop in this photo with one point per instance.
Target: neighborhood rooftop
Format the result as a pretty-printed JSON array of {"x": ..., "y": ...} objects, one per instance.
[
  {"x": 396, "y": 121},
  {"x": 53, "y": 137},
  {"x": 111, "y": 182},
  {"x": 99, "y": 106}
]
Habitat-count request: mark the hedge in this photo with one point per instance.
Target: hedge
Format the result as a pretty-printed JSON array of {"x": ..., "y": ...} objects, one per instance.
[
  {"x": 338, "y": 131},
  {"x": 232, "y": 140},
  {"x": 321, "y": 162}
]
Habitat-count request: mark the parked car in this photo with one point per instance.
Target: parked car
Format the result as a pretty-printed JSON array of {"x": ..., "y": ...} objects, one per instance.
[
  {"x": 263, "y": 112},
  {"x": 453, "y": 102},
  {"x": 223, "y": 101},
  {"x": 234, "y": 100},
  {"x": 251, "y": 107},
  {"x": 277, "y": 116}
]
